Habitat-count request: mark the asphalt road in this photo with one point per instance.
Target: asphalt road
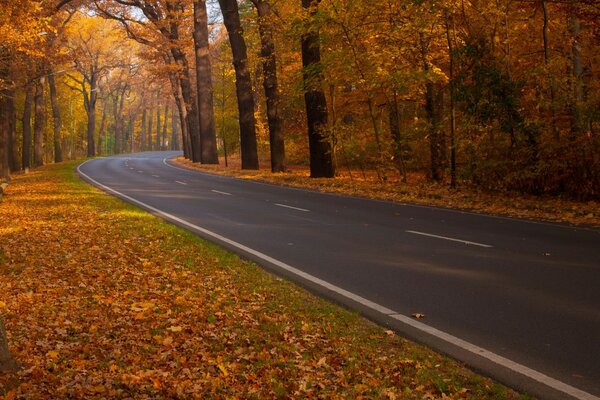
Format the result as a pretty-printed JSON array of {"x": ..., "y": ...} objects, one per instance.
[{"x": 518, "y": 300}]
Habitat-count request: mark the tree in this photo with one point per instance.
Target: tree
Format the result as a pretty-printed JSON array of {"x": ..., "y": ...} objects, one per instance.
[
  {"x": 245, "y": 98},
  {"x": 321, "y": 157},
  {"x": 269, "y": 65},
  {"x": 95, "y": 46},
  {"x": 206, "y": 113},
  {"x": 39, "y": 125}
]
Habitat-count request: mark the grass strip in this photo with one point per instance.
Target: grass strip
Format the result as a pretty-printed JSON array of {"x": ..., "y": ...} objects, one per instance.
[{"x": 103, "y": 300}]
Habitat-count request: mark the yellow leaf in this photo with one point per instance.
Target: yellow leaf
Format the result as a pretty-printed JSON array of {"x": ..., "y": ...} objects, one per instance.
[
  {"x": 2, "y": 304},
  {"x": 175, "y": 328},
  {"x": 113, "y": 368},
  {"x": 223, "y": 369},
  {"x": 52, "y": 354},
  {"x": 167, "y": 341}
]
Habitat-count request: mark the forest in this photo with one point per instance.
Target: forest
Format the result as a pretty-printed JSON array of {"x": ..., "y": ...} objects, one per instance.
[{"x": 501, "y": 95}]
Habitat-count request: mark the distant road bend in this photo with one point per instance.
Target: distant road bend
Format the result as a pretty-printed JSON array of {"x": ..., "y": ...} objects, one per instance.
[{"x": 517, "y": 300}]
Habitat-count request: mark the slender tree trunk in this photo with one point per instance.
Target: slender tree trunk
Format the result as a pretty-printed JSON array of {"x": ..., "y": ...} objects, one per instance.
[
  {"x": 149, "y": 141},
  {"x": 143, "y": 132},
  {"x": 14, "y": 162},
  {"x": 208, "y": 135},
  {"x": 26, "y": 151},
  {"x": 267, "y": 52},
  {"x": 39, "y": 124},
  {"x": 394, "y": 118},
  {"x": 158, "y": 127},
  {"x": 545, "y": 30},
  {"x": 4, "y": 169},
  {"x": 163, "y": 137},
  {"x": 577, "y": 125},
  {"x": 243, "y": 84},
  {"x": 321, "y": 156},
  {"x": 117, "y": 125},
  {"x": 174, "y": 131},
  {"x": 452, "y": 104},
  {"x": 13, "y": 151},
  {"x": 433, "y": 100},
  {"x": 101, "y": 135},
  {"x": 58, "y": 154}
]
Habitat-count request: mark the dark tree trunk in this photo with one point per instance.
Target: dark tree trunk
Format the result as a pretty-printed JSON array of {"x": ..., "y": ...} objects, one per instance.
[
  {"x": 191, "y": 105},
  {"x": 245, "y": 98},
  {"x": 321, "y": 156},
  {"x": 433, "y": 113},
  {"x": 7, "y": 363},
  {"x": 208, "y": 135},
  {"x": 58, "y": 154},
  {"x": 394, "y": 118},
  {"x": 174, "y": 132},
  {"x": 13, "y": 151},
  {"x": 4, "y": 170},
  {"x": 26, "y": 151},
  {"x": 39, "y": 124},
  {"x": 267, "y": 53}
]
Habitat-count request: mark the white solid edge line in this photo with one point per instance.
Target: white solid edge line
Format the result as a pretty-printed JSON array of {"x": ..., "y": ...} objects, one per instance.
[
  {"x": 219, "y": 192},
  {"x": 450, "y": 239},
  {"x": 181, "y": 183},
  {"x": 502, "y": 361},
  {"x": 293, "y": 208}
]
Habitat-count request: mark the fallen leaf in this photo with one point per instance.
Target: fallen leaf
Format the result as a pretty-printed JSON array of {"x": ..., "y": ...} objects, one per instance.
[
  {"x": 418, "y": 315},
  {"x": 175, "y": 328}
]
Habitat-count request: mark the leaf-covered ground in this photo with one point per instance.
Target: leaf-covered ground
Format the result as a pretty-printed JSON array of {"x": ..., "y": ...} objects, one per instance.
[
  {"x": 103, "y": 301},
  {"x": 420, "y": 191}
]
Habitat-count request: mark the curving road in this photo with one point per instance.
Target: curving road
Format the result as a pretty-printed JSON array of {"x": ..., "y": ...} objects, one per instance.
[{"x": 518, "y": 300}]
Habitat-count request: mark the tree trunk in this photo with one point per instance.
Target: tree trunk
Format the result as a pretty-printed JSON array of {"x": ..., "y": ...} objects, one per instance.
[
  {"x": 163, "y": 136},
  {"x": 321, "y": 156},
  {"x": 206, "y": 113},
  {"x": 433, "y": 103},
  {"x": 243, "y": 84},
  {"x": 4, "y": 170},
  {"x": 158, "y": 127},
  {"x": 101, "y": 136},
  {"x": 26, "y": 151},
  {"x": 452, "y": 103},
  {"x": 7, "y": 363},
  {"x": 39, "y": 124},
  {"x": 150, "y": 122},
  {"x": 270, "y": 85},
  {"x": 13, "y": 151},
  {"x": 58, "y": 155},
  {"x": 174, "y": 142},
  {"x": 394, "y": 118},
  {"x": 577, "y": 125},
  {"x": 143, "y": 131}
]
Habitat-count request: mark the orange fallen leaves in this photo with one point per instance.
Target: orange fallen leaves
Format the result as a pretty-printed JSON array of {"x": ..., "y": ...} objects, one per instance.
[{"x": 102, "y": 301}]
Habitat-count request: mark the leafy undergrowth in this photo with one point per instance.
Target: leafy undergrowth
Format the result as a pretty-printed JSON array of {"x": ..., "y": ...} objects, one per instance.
[
  {"x": 419, "y": 191},
  {"x": 104, "y": 301}
]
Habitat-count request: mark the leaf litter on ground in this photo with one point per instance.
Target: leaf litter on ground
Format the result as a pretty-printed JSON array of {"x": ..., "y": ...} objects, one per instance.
[{"x": 104, "y": 301}]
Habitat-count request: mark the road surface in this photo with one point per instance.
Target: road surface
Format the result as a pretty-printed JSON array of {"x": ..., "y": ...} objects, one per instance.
[{"x": 517, "y": 300}]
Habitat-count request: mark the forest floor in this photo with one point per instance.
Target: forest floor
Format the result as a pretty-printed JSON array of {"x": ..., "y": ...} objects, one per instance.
[
  {"x": 419, "y": 190},
  {"x": 103, "y": 300}
]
